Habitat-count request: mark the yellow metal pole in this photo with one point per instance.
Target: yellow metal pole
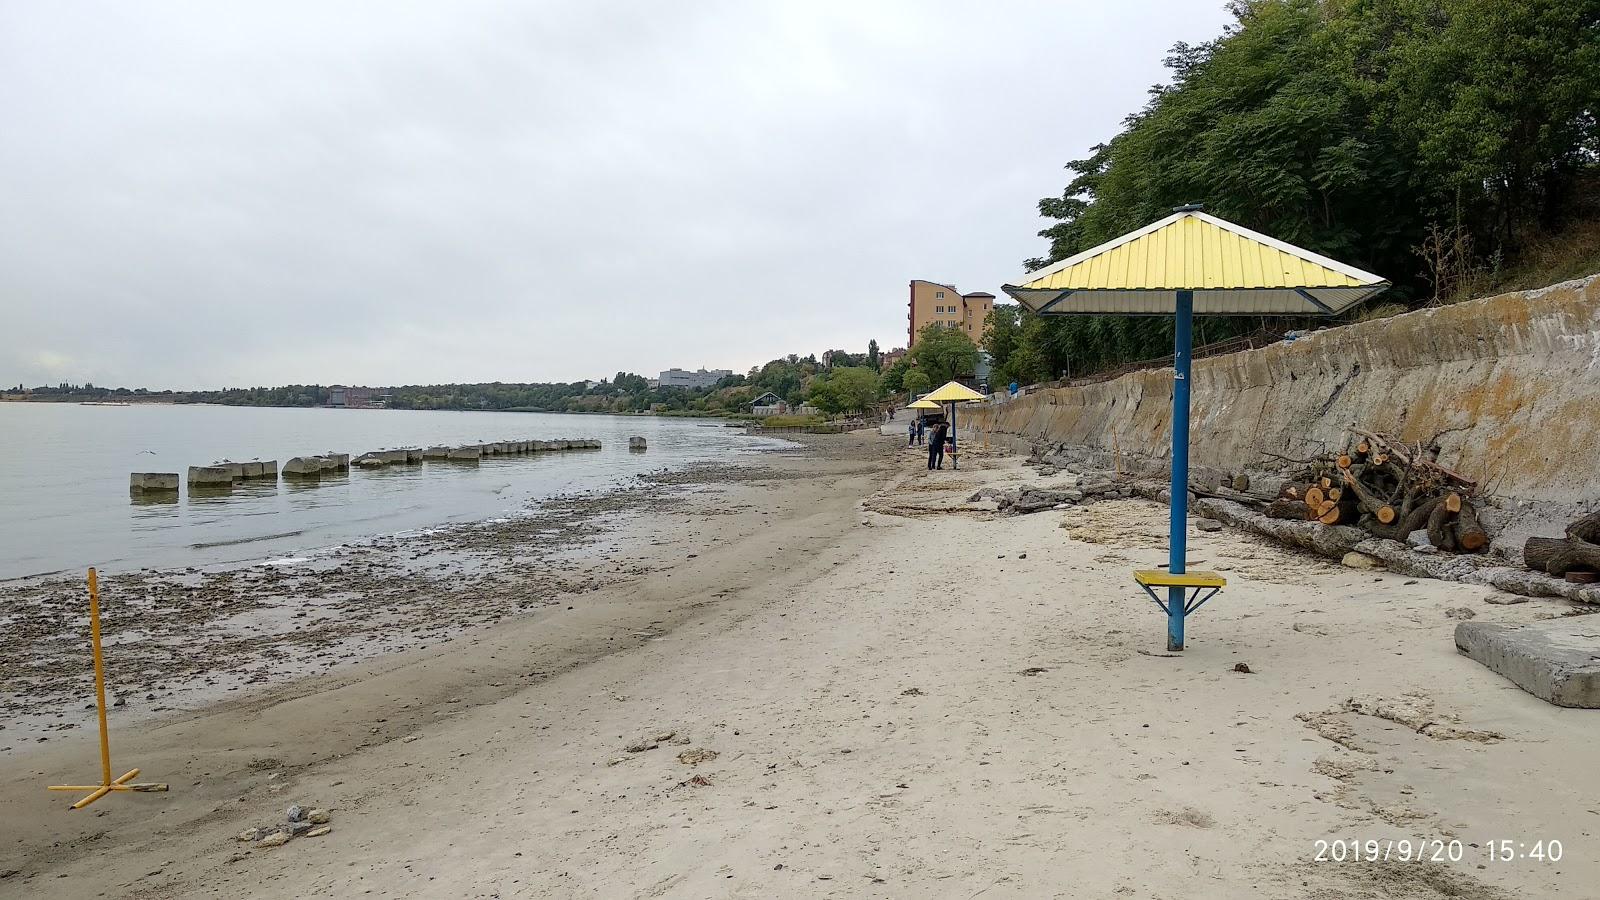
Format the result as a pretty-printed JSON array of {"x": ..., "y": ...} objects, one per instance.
[
  {"x": 99, "y": 678},
  {"x": 107, "y": 784}
]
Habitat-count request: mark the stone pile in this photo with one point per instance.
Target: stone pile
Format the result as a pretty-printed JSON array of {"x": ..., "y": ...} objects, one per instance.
[{"x": 299, "y": 821}]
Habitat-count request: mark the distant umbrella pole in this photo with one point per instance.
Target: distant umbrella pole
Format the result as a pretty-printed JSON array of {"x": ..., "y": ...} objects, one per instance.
[
  {"x": 107, "y": 783},
  {"x": 955, "y": 458}
]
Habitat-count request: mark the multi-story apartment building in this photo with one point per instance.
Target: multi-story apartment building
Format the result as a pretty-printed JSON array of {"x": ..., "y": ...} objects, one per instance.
[
  {"x": 932, "y": 303},
  {"x": 697, "y": 380}
]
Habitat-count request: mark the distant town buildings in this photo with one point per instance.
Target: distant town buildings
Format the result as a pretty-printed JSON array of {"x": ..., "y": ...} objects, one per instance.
[
  {"x": 341, "y": 397},
  {"x": 887, "y": 360},
  {"x": 941, "y": 304},
  {"x": 696, "y": 380}
]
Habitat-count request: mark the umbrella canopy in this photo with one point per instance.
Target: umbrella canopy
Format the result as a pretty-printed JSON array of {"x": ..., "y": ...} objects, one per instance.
[
  {"x": 954, "y": 392},
  {"x": 1231, "y": 271},
  {"x": 924, "y": 403},
  {"x": 1185, "y": 264}
]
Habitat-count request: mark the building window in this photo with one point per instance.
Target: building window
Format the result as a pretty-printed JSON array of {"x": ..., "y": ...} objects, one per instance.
[{"x": 938, "y": 295}]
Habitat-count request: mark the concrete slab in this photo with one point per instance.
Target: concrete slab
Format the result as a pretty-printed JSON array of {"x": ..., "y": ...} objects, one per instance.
[
  {"x": 153, "y": 481},
  {"x": 1557, "y": 661}
]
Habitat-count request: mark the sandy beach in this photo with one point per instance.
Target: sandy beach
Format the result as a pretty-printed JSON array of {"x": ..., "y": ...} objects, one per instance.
[{"x": 837, "y": 675}]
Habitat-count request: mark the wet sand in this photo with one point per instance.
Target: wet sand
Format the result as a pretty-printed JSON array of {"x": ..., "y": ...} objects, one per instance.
[
  {"x": 183, "y": 639},
  {"x": 888, "y": 700}
]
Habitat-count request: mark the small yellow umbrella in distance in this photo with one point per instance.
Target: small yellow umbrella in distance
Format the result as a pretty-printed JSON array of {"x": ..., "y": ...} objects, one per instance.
[
  {"x": 953, "y": 392},
  {"x": 924, "y": 403}
]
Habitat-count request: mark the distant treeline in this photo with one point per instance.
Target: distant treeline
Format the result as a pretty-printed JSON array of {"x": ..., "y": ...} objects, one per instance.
[
  {"x": 793, "y": 378},
  {"x": 1448, "y": 145}
]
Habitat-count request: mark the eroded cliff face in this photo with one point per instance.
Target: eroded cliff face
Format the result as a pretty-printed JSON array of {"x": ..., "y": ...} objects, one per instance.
[{"x": 1511, "y": 384}]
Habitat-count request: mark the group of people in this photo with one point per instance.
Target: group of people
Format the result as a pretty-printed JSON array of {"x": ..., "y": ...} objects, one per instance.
[{"x": 916, "y": 431}]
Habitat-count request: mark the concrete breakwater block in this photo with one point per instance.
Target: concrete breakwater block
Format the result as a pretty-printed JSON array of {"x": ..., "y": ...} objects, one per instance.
[
  {"x": 153, "y": 481},
  {"x": 466, "y": 453},
  {"x": 210, "y": 475},
  {"x": 436, "y": 453},
  {"x": 303, "y": 467},
  {"x": 636, "y": 443},
  {"x": 1557, "y": 661},
  {"x": 252, "y": 469}
]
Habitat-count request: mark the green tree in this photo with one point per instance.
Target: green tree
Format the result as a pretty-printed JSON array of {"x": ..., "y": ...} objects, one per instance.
[
  {"x": 1354, "y": 128},
  {"x": 944, "y": 354},
  {"x": 845, "y": 389},
  {"x": 874, "y": 361},
  {"x": 1001, "y": 332},
  {"x": 629, "y": 383},
  {"x": 893, "y": 379},
  {"x": 917, "y": 382},
  {"x": 856, "y": 388}
]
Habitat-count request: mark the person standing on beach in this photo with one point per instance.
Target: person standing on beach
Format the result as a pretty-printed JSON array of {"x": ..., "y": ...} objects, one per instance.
[
  {"x": 936, "y": 447},
  {"x": 922, "y": 426},
  {"x": 911, "y": 433}
]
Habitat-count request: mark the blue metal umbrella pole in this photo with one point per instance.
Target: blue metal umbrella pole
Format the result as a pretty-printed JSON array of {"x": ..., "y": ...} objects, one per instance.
[
  {"x": 1181, "y": 351},
  {"x": 955, "y": 459}
]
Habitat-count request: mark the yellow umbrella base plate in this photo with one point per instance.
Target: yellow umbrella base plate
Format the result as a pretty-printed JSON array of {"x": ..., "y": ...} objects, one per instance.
[{"x": 100, "y": 790}]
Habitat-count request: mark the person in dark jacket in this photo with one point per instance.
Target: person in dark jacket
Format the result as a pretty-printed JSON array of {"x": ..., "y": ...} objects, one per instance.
[
  {"x": 911, "y": 433},
  {"x": 936, "y": 446},
  {"x": 922, "y": 427}
]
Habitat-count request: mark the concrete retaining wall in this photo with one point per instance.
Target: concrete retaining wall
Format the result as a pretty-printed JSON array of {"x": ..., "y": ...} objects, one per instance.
[{"x": 1512, "y": 379}]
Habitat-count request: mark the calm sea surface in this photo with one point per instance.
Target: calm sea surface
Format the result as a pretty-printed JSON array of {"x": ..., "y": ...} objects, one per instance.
[{"x": 64, "y": 500}]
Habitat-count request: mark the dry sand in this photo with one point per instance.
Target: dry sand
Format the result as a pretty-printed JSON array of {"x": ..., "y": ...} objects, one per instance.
[{"x": 898, "y": 704}]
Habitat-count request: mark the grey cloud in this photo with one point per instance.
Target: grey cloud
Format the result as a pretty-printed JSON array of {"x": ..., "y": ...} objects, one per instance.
[{"x": 199, "y": 195}]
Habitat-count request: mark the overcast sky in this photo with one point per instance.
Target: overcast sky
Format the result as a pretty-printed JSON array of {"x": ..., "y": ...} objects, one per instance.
[{"x": 198, "y": 195}]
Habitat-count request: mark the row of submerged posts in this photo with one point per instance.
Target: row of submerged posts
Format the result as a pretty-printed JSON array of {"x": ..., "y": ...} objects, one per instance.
[
  {"x": 222, "y": 475},
  {"x": 469, "y": 452}
]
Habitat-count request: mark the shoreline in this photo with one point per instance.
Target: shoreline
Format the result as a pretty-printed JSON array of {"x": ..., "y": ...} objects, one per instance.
[
  {"x": 181, "y": 638},
  {"x": 846, "y": 677}
]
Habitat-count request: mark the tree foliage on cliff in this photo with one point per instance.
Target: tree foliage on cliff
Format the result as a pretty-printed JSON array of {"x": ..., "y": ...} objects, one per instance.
[{"x": 1426, "y": 140}]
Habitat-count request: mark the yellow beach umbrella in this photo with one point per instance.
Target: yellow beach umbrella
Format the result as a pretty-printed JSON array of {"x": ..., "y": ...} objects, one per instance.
[
  {"x": 1188, "y": 263},
  {"x": 953, "y": 392},
  {"x": 924, "y": 403}
]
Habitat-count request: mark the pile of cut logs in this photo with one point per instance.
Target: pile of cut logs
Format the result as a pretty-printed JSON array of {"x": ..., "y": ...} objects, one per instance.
[
  {"x": 1575, "y": 557},
  {"x": 1388, "y": 487}
]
